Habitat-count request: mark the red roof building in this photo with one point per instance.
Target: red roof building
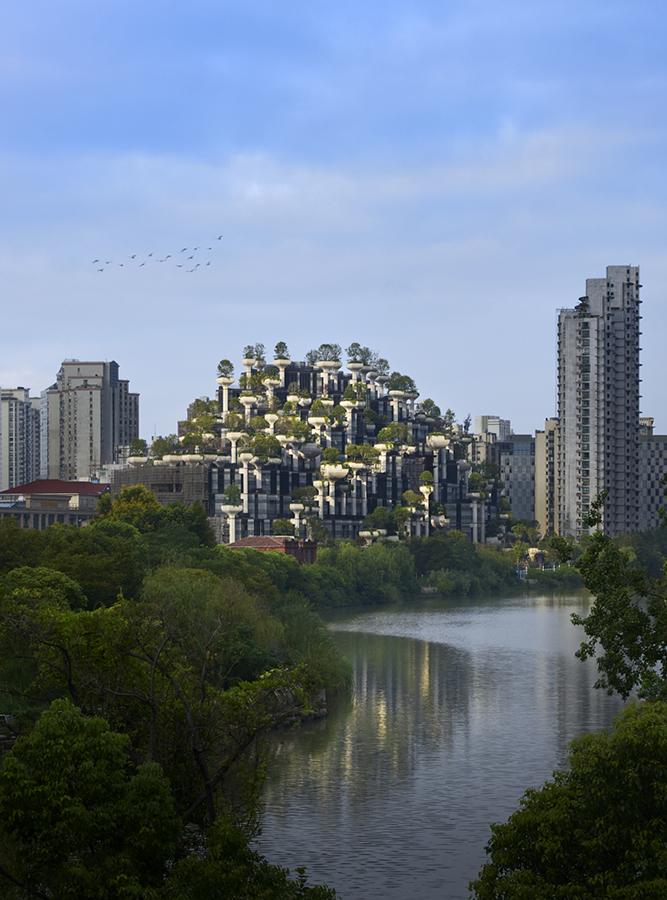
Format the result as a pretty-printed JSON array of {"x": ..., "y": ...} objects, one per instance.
[
  {"x": 48, "y": 501},
  {"x": 302, "y": 551}
]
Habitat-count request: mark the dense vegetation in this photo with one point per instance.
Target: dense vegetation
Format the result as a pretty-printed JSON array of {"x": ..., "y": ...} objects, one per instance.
[
  {"x": 600, "y": 828},
  {"x": 144, "y": 668}
]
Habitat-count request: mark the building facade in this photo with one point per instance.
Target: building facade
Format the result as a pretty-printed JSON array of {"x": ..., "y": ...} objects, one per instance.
[
  {"x": 19, "y": 437},
  {"x": 88, "y": 415},
  {"x": 321, "y": 448},
  {"x": 517, "y": 474},
  {"x": 652, "y": 475},
  {"x": 598, "y": 404},
  {"x": 502, "y": 428},
  {"x": 43, "y": 503},
  {"x": 546, "y": 481}
]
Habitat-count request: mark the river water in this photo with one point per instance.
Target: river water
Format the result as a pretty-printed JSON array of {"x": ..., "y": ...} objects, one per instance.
[{"x": 456, "y": 708}]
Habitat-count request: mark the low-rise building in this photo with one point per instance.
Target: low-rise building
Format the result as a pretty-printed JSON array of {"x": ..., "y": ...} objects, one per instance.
[{"x": 40, "y": 504}]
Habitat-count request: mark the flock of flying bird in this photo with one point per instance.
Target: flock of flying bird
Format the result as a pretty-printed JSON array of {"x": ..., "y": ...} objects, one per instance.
[{"x": 188, "y": 263}]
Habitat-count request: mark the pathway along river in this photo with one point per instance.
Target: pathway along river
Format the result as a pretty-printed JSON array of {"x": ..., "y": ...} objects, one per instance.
[{"x": 456, "y": 709}]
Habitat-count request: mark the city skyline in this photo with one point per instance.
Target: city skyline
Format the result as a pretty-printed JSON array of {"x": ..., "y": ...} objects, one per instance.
[{"x": 434, "y": 182}]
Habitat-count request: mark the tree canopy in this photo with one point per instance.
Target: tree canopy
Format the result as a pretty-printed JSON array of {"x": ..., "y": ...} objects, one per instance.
[{"x": 598, "y": 829}]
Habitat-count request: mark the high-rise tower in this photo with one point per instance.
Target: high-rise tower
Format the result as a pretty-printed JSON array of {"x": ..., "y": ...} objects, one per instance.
[
  {"x": 598, "y": 403},
  {"x": 89, "y": 414}
]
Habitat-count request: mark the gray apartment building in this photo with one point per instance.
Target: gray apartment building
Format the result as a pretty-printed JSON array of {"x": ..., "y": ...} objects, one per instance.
[
  {"x": 517, "y": 474},
  {"x": 652, "y": 474},
  {"x": 19, "y": 437},
  {"x": 598, "y": 404},
  {"x": 88, "y": 415}
]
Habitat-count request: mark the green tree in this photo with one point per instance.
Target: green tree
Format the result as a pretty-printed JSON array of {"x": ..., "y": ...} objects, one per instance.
[
  {"x": 225, "y": 368},
  {"x": 138, "y": 447},
  {"x": 626, "y": 628},
  {"x": 282, "y": 526},
  {"x": 596, "y": 830},
  {"x": 227, "y": 868},
  {"x": 396, "y": 433},
  {"x": 164, "y": 445},
  {"x": 280, "y": 351},
  {"x": 77, "y": 818}
]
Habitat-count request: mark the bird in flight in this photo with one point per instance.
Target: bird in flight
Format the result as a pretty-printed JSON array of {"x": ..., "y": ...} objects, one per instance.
[
  {"x": 134, "y": 256},
  {"x": 108, "y": 262},
  {"x": 142, "y": 264},
  {"x": 184, "y": 249},
  {"x": 95, "y": 261},
  {"x": 208, "y": 263},
  {"x": 219, "y": 237},
  {"x": 179, "y": 265},
  {"x": 100, "y": 270},
  {"x": 151, "y": 253},
  {"x": 190, "y": 257},
  {"x": 121, "y": 264}
]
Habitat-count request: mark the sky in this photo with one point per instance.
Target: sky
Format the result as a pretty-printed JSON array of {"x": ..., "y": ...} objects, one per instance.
[{"x": 432, "y": 179}]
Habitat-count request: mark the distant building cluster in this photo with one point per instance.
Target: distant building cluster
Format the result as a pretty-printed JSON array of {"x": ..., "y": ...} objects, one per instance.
[
  {"x": 78, "y": 426},
  {"x": 294, "y": 447},
  {"x": 302, "y": 446}
]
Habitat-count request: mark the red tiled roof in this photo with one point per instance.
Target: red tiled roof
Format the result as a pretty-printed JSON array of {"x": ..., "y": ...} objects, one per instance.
[
  {"x": 266, "y": 540},
  {"x": 55, "y": 486}
]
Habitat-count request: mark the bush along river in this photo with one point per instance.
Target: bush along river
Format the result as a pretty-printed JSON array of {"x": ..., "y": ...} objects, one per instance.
[{"x": 456, "y": 708}]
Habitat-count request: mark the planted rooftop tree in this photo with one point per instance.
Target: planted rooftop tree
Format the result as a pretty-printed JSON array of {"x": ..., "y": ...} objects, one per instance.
[
  {"x": 232, "y": 494},
  {"x": 256, "y": 352},
  {"x": 163, "y": 445},
  {"x": 399, "y": 382},
  {"x": 234, "y": 422},
  {"x": 324, "y": 353},
  {"x": 138, "y": 447},
  {"x": 381, "y": 365},
  {"x": 395, "y": 433},
  {"x": 361, "y": 354},
  {"x": 280, "y": 351},
  {"x": 265, "y": 445},
  {"x": 429, "y": 408},
  {"x": 364, "y": 453},
  {"x": 225, "y": 368}
]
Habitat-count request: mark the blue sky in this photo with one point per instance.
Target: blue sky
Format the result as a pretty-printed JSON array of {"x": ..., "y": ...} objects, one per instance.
[{"x": 433, "y": 179}]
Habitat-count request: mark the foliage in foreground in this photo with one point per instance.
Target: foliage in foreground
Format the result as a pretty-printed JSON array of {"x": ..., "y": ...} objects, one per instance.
[
  {"x": 596, "y": 830},
  {"x": 79, "y": 819},
  {"x": 145, "y": 669}
]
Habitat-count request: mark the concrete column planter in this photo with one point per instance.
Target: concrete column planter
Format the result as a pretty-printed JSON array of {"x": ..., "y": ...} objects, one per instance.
[
  {"x": 234, "y": 437},
  {"x": 245, "y": 459},
  {"x": 225, "y": 381},
  {"x": 355, "y": 368},
  {"x": 248, "y": 402},
  {"x": 437, "y": 441},
  {"x": 231, "y": 511},
  {"x": 281, "y": 363},
  {"x": 334, "y": 471},
  {"x": 271, "y": 418}
]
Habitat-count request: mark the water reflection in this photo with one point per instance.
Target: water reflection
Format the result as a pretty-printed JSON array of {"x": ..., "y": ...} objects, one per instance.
[{"x": 455, "y": 710}]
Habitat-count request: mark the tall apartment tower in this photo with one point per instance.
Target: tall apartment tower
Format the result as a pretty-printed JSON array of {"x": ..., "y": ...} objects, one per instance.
[
  {"x": 546, "y": 477},
  {"x": 19, "y": 437},
  {"x": 598, "y": 404},
  {"x": 88, "y": 414}
]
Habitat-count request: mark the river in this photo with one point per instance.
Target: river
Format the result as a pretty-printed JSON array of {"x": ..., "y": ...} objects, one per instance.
[{"x": 456, "y": 708}]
